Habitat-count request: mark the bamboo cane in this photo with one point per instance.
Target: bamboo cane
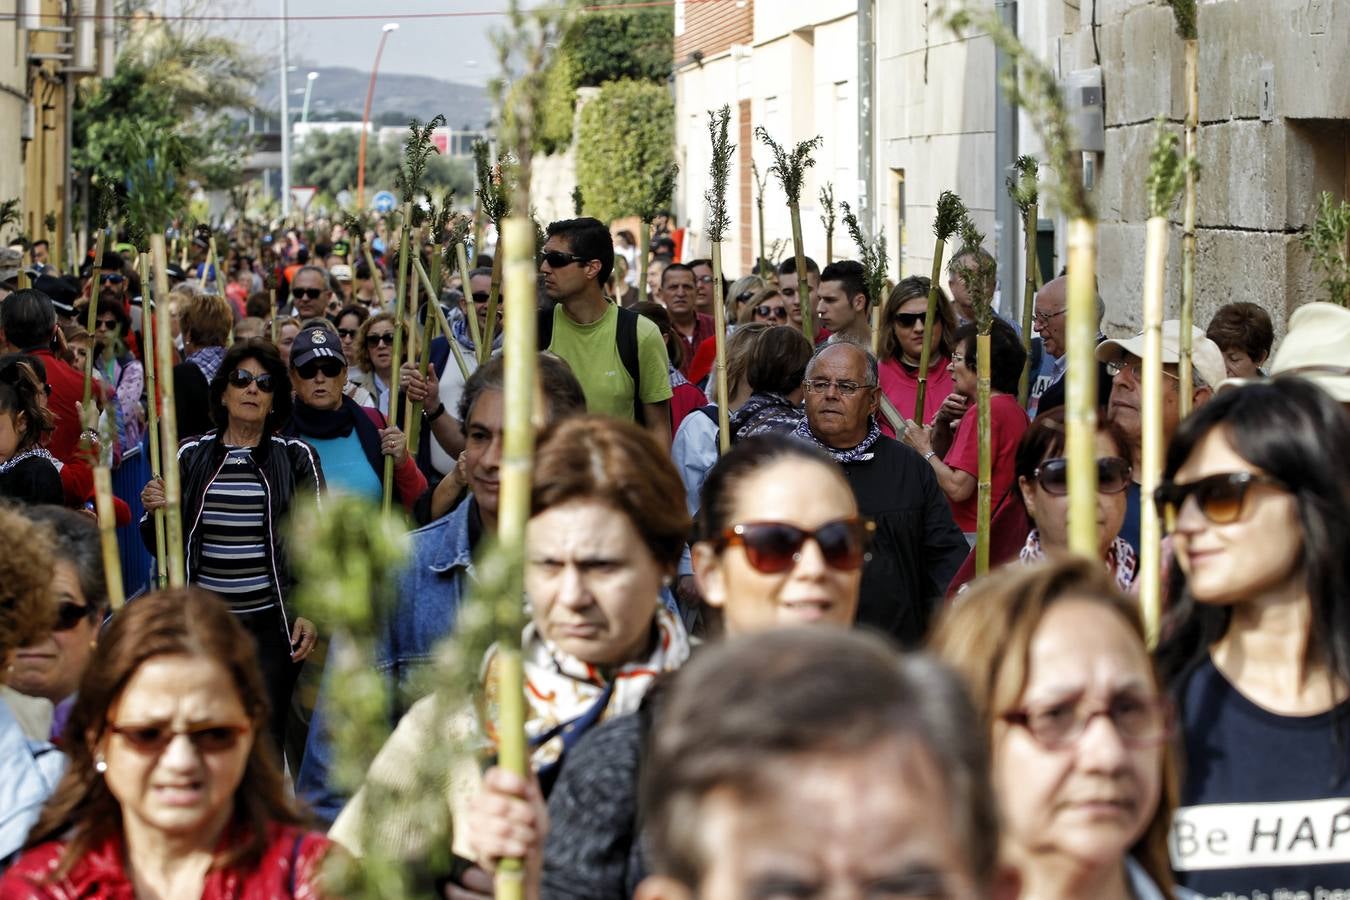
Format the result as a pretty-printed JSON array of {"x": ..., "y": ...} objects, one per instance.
[
  {"x": 826, "y": 219},
  {"x": 376, "y": 280},
  {"x": 803, "y": 286},
  {"x": 276, "y": 313},
  {"x": 984, "y": 482},
  {"x": 400, "y": 294},
  {"x": 454, "y": 345},
  {"x": 494, "y": 289},
  {"x": 107, "y": 530},
  {"x": 168, "y": 420},
  {"x": 148, "y": 351},
  {"x": 421, "y": 350},
  {"x": 514, "y": 505},
  {"x": 720, "y": 367},
  {"x": 471, "y": 308},
  {"x": 644, "y": 258},
  {"x": 759, "y": 210},
  {"x": 1151, "y": 455},
  {"x": 1080, "y": 407},
  {"x": 206, "y": 266},
  {"x": 948, "y": 216},
  {"x": 1187, "y": 386},
  {"x": 1024, "y": 192},
  {"x": 91, "y": 316}
]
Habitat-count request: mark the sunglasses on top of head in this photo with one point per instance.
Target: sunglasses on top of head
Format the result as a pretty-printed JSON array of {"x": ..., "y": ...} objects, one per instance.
[
  {"x": 1222, "y": 498},
  {"x": 557, "y": 259},
  {"x": 242, "y": 378},
  {"x": 330, "y": 368},
  {"x": 775, "y": 547},
  {"x": 1113, "y": 475}
]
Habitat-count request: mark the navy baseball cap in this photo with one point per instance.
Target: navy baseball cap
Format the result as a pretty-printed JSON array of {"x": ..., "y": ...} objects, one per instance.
[{"x": 313, "y": 343}]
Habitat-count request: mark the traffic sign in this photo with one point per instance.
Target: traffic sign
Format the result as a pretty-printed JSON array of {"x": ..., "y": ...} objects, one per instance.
[
  {"x": 303, "y": 196},
  {"x": 384, "y": 202}
]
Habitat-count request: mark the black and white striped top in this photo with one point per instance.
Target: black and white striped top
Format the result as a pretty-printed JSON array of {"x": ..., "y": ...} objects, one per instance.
[{"x": 234, "y": 559}]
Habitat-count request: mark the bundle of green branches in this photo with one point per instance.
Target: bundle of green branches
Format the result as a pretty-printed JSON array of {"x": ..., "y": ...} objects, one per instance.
[
  {"x": 652, "y": 204},
  {"x": 1185, "y": 14},
  {"x": 1025, "y": 194},
  {"x": 790, "y": 167},
  {"x": 1032, "y": 85},
  {"x": 826, "y": 220},
  {"x": 495, "y": 187},
  {"x": 719, "y": 172},
  {"x": 10, "y": 214},
  {"x": 1326, "y": 242},
  {"x": 947, "y": 218},
  {"x": 872, "y": 255}
]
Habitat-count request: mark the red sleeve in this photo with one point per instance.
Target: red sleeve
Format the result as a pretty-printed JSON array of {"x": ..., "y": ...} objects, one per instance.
[
  {"x": 408, "y": 478},
  {"x": 964, "y": 453},
  {"x": 702, "y": 364},
  {"x": 25, "y": 879}
]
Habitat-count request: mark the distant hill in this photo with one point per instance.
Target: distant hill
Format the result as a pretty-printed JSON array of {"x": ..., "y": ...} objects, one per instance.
[{"x": 340, "y": 92}]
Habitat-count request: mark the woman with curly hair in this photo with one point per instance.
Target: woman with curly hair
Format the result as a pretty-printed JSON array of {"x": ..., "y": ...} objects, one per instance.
[{"x": 28, "y": 473}]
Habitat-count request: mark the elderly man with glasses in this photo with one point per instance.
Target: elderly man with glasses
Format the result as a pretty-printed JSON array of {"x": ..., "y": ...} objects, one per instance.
[
  {"x": 917, "y": 547},
  {"x": 1050, "y": 321}
]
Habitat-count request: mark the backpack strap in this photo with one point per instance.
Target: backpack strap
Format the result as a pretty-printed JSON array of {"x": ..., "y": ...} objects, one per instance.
[
  {"x": 626, "y": 336},
  {"x": 544, "y": 328}
]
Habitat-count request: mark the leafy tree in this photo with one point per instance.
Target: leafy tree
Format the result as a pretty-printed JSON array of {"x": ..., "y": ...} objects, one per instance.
[
  {"x": 328, "y": 162},
  {"x": 625, "y": 139}
]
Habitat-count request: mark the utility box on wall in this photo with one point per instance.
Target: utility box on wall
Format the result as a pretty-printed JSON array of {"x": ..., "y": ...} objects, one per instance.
[{"x": 1087, "y": 116}]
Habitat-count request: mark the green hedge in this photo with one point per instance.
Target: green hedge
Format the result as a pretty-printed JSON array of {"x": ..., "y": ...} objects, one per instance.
[{"x": 626, "y": 138}]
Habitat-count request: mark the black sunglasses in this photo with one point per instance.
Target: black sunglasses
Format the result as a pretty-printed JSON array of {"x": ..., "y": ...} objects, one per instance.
[
  {"x": 908, "y": 320},
  {"x": 347, "y": 332},
  {"x": 1221, "y": 497},
  {"x": 481, "y": 296},
  {"x": 375, "y": 339},
  {"x": 329, "y": 367},
  {"x": 772, "y": 312},
  {"x": 1113, "y": 475},
  {"x": 774, "y": 547},
  {"x": 68, "y": 615},
  {"x": 111, "y": 278},
  {"x": 307, "y": 293},
  {"x": 154, "y": 738},
  {"x": 242, "y": 378},
  {"x": 557, "y": 259}
]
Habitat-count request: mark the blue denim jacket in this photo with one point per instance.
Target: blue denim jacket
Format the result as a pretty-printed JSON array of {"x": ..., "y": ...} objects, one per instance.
[
  {"x": 29, "y": 772},
  {"x": 430, "y": 590}
]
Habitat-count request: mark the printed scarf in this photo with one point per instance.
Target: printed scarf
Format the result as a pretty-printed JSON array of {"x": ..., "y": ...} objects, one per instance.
[
  {"x": 861, "y": 453},
  {"x": 208, "y": 359},
  {"x": 764, "y": 413},
  {"x": 1120, "y": 559}
]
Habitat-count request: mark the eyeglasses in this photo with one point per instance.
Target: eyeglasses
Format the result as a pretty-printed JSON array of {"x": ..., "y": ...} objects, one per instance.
[
  {"x": 1135, "y": 369},
  {"x": 150, "y": 739},
  {"x": 705, "y": 279},
  {"x": 557, "y": 259},
  {"x": 1221, "y": 498},
  {"x": 1140, "y": 721},
  {"x": 481, "y": 296},
  {"x": 330, "y": 368},
  {"x": 242, "y": 378},
  {"x": 1113, "y": 475},
  {"x": 347, "y": 332},
  {"x": 774, "y": 547},
  {"x": 958, "y": 358},
  {"x": 845, "y": 388},
  {"x": 908, "y": 320},
  {"x": 1041, "y": 318},
  {"x": 387, "y": 339},
  {"x": 68, "y": 615},
  {"x": 772, "y": 312},
  {"x": 111, "y": 278},
  {"x": 307, "y": 293}
]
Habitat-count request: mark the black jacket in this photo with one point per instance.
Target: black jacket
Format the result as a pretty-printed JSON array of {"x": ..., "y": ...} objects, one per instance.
[
  {"x": 289, "y": 469},
  {"x": 917, "y": 547}
]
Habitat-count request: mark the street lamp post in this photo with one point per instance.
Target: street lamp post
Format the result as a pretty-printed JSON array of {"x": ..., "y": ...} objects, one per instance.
[
  {"x": 309, "y": 89},
  {"x": 285, "y": 123},
  {"x": 365, "y": 117}
]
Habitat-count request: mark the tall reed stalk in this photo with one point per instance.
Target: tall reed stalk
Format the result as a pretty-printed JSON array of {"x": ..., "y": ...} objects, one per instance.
[
  {"x": 1165, "y": 179},
  {"x": 716, "y": 197},
  {"x": 979, "y": 275},
  {"x": 790, "y": 167},
  {"x": 652, "y": 204},
  {"x": 1025, "y": 195},
  {"x": 1032, "y": 85},
  {"x": 1188, "y": 29},
  {"x": 826, "y": 221},
  {"x": 168, "y": 419},
  {"x": 947, "y": 218},
  {"x": 149, "y": 351},
  {"x": 91, "y": 314}
]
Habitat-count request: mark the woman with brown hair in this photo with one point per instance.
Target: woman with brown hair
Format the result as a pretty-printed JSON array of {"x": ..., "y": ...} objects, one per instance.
[
  {"x": 902, "y": 339},
  {"x": 204, "y": 321},
  {"x": 1054, "y": 658},
  {"x": 169, "y": 792},
  {"x": 375, "y": 359},
  {"x": 606, "y": 530},
  {"x": 28, "y": 473}
]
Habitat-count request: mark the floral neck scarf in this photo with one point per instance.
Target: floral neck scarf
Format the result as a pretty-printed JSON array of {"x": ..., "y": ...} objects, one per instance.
[
  {"x": 1120, "y": 559},
  {"x": 861, "y": 453}
]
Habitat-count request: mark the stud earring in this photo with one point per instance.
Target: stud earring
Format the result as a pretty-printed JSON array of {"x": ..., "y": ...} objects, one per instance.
[{"x": 100, "y": 765}]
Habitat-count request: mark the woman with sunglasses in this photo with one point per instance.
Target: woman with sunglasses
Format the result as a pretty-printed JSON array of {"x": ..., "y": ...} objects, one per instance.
[
  {"x": 169, "y": 790},
  {"x": 349, "y": 320},
  {"x": 1257, "y": 644},
  {"x": 51, "y": 668},
  {"x": 375, "y": 358},
  {"x": 736, "y": 299},
  {"x": 767, "y": 306},
  {"x": 287, "y": 328},
  {"x": 238, "y": 484},
  {"x": 351, "y": 440},
  {"x": 1055, "y": 661},
  {"x": 902, "y": 341},
  {"x": 780, "y": 544}
]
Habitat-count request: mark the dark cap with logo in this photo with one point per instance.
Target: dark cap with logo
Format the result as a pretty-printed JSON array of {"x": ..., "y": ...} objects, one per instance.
[{"x": 314, "y": 343}]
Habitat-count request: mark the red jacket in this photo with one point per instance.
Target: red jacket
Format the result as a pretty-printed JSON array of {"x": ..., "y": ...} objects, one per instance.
[{"x": 289, "y": 869}]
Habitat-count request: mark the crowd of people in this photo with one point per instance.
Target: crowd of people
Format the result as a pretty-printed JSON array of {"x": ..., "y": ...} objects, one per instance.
[{"x": 764, "y": 671}]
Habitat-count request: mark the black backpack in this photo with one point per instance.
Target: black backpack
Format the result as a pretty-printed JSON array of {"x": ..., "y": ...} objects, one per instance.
[{"x": 625, "y": 338}]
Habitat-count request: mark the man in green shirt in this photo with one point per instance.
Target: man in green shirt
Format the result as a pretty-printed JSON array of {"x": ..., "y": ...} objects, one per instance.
[{"x": 577, "y": 260}]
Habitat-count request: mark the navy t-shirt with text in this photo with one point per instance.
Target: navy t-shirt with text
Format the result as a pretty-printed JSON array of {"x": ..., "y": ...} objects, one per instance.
[{"x": 1265, "y": 800}]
